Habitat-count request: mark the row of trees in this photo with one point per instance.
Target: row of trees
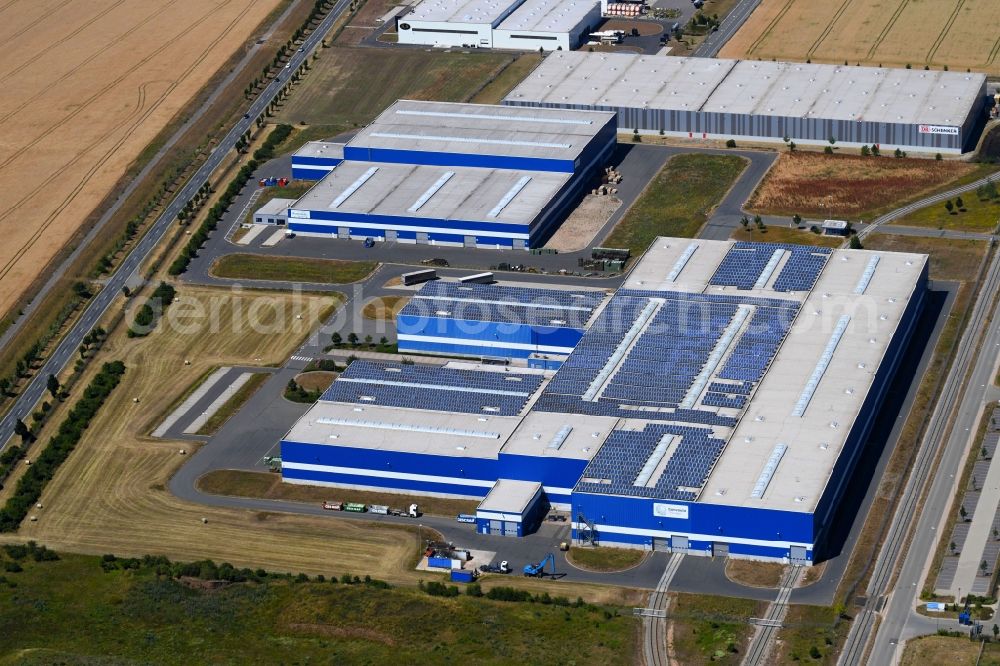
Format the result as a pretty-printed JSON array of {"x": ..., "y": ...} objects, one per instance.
[
  {"x": 147, "y": 316},
  {"x": 30, "y": 486},
  {"x": 211, "y": 221}
]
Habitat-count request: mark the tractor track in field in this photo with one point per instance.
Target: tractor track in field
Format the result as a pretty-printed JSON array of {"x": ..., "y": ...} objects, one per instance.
[
  {"x": 84, "y": 104},
  {"x": 828, "y": 29},
  {"x": 117, "y": 38},
  {"x": 944, "y": 32},
  {"x": 887, "y": 29},
  {"x": 111, "y": 151},
  {"x": 770, "y": 26}
]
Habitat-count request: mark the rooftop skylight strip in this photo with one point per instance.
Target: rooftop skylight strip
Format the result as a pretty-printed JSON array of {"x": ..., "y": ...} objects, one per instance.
[
  {"x": 465, "y": 139},
  {"x": 721, "y": 347},
  {"x": 821, "y": 366},
  {"x": 764, "y": 480},
  {"x": 507, "y": 198},
  {"x": 866, "y": 277},
  {"x": 560, "y": 437},
  {"x": 354, "y": 187},
  {"x": 619, "y": 353},
  {"x": 682, "y": 262},
  {"x": 486, "y": 116},
  {"x": 434, "y": 387},
  {"x": 768, "y": 271},
  {"x": 431, "y": 191},
  {"x": 654, "y": 460},
  {"x": 405, "y": 427}
]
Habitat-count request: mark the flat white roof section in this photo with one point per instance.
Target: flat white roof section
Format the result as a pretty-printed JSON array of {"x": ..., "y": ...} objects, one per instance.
[
  {"x": 514, "y": 190},
  {"x": 459, "y": 11},
  {"x": 682, "y": 262},
  {"x": 821, "y": 366},
  {"x": 275, "y": 207},
  {"x": 353, "y": 187},
  {"x": 330, "y": 149},
  {"x": 469, "y": 194},
  {"x": 548, "y": 15},
  {"x": 431, "y": 191},
  {"x": 751, "y": 87},
  {"x": 509, "y": 496},
  {"x": 767, "y": 473},
  {"x": 477, "y": 129},
  {"x": 866, "y": 278}
]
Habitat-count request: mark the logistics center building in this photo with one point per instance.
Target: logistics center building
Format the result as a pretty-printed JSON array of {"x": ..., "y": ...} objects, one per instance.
[
  {"x": 453, "y": 174},
  {"x": 501, "y": 24},
  {"x": 707, "y": 98},
  {"x": 716, "y": 404}
]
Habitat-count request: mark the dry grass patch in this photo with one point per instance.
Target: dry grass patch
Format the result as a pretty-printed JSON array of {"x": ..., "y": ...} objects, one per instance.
[
  {"x": 291, "y": 269},
  {"x": 833, "y": 186},
  {"x": 317, "y": 380},
  {"x": 494, "y": 91},
  {"x": 266, "y": 485},
  {"x": 950, "y": 259},
  {"x": 110, "y": 494},
  {"x": 948, "y": 650},
  {"x": 384, "y": 307},
  {"x": 754, "y": 574}
]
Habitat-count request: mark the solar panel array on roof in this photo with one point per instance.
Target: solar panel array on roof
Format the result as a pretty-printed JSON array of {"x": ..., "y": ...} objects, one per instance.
[
  {"x": 621, "y": 459},
  {"x": 745, "y": 262},
  {"x": 438, "y": 389}
]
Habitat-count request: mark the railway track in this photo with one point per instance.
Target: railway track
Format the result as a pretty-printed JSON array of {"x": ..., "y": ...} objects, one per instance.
[
  {"x": 654, "y": 623},
  {"x": 760, "y": 646},
  {"x": 894, "y": 548}
]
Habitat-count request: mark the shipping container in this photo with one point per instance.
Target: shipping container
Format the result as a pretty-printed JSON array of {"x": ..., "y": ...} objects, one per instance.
[
  {"x": 379, "y": 509},
  {"x": 354, "y": 506},
  {"x": 462, "y": 576},
  {"x": 333, "y": 506},
  {"x": 439, "y": 562}
]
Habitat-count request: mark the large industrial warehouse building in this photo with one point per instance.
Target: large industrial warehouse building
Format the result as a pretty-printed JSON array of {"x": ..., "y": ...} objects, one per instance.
[
  {"x": 502, "y": 24},
  {"x": 929, "y": 111},
  {"x": 716, "y": 404},
  {"x": 439, "y": 173}
]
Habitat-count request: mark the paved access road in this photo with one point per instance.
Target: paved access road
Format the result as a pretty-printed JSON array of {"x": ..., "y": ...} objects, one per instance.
[
  {"x": 730, "y": 25},
  {"x": 65, "y": 352},
  {"x": 895, "y": 604}
]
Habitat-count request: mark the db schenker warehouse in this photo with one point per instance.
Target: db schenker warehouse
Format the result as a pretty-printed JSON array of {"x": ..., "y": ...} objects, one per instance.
[
  {"x": 715, "y": 404},
  {"x": 929, "y": 111}
]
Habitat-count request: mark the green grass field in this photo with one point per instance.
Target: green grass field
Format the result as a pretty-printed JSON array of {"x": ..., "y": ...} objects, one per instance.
[
  {"x": 981, "y": 216},
  {"x": 606, "y": 559},
  {"x": 678, "y": 201},
  {"x": 291, "y": 269},
  {"x": 72, "y": 612},
  {"x": 709, "y": 629},
  {"x": 348, "y": 87}
]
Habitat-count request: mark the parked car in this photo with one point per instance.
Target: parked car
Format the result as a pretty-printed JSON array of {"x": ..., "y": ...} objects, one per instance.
[{"x": 369, "y": 242}]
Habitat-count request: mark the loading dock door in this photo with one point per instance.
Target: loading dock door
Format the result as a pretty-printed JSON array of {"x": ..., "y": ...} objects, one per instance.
[
  {"x": 798, "y": 555},
  {"x": 496, "y": 527},
  {"x": 720, "y": 550},
  {"x": 661, "y": 544},
  {"x": 343, "y": 232},
  {"x": 679, "y": 544},
  {"x": 390, "y": 234},
  {"x": 422, "y": 237},
  {"x": 469, "y": 241},
  {"x": 510, "y": 528}
]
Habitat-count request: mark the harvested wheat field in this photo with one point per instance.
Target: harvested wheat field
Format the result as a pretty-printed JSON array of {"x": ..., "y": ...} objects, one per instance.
[
  {"x": 87, "y": 85},
  {"x": 110, "y": 496},
  {"x": 959, "y": 34},
  {"x": 852, "y": 187}
]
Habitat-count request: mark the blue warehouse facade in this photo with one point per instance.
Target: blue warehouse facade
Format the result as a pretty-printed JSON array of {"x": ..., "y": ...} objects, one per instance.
[
  {"x": 484, "y": 321},
  {"x": 453, "y": 174},
  {"x": 720, "y": 413}
]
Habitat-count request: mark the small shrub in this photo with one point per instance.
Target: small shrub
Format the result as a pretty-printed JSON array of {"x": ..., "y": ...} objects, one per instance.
[{"x": 731, "y": 143}]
